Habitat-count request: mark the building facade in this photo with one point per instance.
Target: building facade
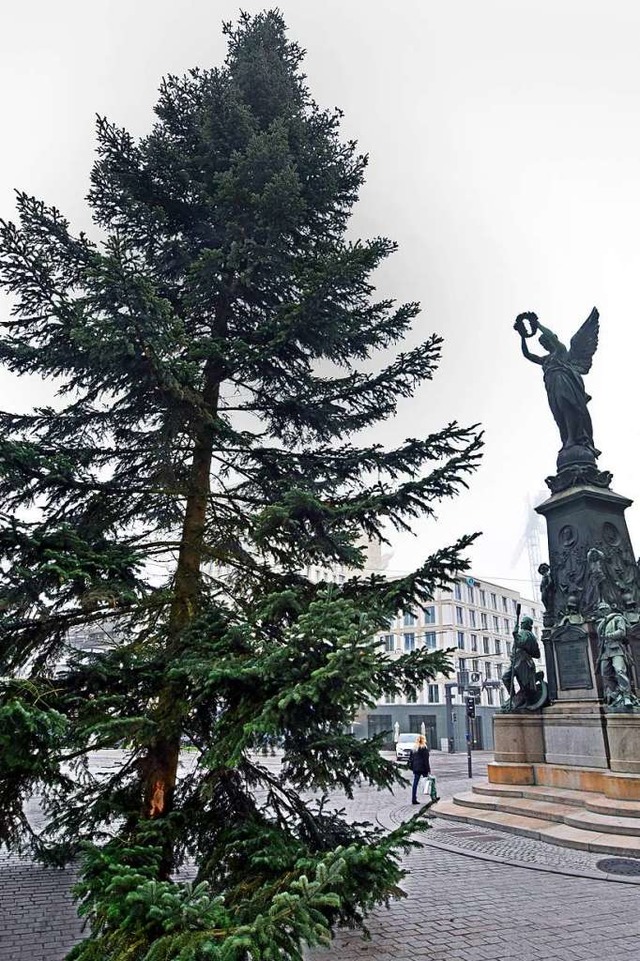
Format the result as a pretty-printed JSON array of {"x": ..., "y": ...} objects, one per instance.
[{"x": 475, "y": 619}]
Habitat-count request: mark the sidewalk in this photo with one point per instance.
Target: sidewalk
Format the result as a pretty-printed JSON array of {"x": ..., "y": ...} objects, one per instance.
[
  {"x": 485, "y": 895},
  {"x": 472, "y": 895}
]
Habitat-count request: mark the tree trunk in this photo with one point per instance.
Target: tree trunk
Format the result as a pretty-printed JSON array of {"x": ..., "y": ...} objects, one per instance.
[{"x": 160, "y": 765}]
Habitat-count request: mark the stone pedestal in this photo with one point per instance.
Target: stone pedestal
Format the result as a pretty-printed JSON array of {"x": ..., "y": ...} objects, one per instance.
[
  {"x": 578, "y": 520},
  {"x": 575, "y": 735},
  {"x": 623, "y": 732},
  {"x": 518, "y": 738}
]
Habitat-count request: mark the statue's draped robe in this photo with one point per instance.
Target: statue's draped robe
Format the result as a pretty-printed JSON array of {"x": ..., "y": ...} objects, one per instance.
[{"x": 568, "y": 400}]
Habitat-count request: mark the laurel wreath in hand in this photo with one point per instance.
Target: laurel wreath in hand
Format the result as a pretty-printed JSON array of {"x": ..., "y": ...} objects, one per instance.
[{"x": 521, "y": 325}]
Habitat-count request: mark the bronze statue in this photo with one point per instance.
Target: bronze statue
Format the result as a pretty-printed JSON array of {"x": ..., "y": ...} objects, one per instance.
[
  {"x": 522, "y": 669},
  {"x": 562, "y": 370},
  {"x": 547, "y": 592},
  {"x": 598, "y": 585},
  {"x": 572, "y": 615},
  {"x": 614, "y": 659}
]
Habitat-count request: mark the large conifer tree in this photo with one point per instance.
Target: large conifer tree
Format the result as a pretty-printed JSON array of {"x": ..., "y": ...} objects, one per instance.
[{"x": 212, "y": 348}]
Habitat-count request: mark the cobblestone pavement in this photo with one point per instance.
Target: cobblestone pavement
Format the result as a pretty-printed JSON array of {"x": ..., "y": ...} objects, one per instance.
[
  {"x": 462, "y": 909},
  {"x": 471, "y": 895}
]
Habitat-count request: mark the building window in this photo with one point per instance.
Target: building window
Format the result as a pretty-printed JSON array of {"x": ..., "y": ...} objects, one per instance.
[
  {"x": 389, "y": 642},
  {"x": 433, "y": 694},
  {"x": 471, "y": 593},
  {"x": 498, "y": 645},
  {"x": 472, "y": 618},
  {"x": 494, "y": 602},
  {"x": 409, "y": 642},
  {"x": 462, "y": 664},
  {"x": 496, "y": 624},
  {"x": 410, "y": 620},
  {"x": 488, "y": 669},
  {"x": 484, "y": 622},
  {"x": 508, "y": 647},
  {"x": 429, "y": 615},
  {"x": 499, "y": 670},
  {"x": 412, "y": 697},
  {"x": 461, "y": 640},
  {"x": 483, "y": 598},
  {"x": 475, "y": 664},
  {"x": 430, "y": 640},
  {"x": 504, "y": 605},
  {"x": 379, "y": 724},
  {"x": 459, "y": 616},
  {"x": 474, "y": 643},
  {"x": 457, "y": 591},
  {"x": 485, "y": 645},
  {"x": 490, "y": 697},
  {"x": 507, "y": 625}
]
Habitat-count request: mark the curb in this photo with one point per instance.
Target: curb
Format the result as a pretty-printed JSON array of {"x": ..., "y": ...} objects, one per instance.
[{"x": 385, "y": 821}]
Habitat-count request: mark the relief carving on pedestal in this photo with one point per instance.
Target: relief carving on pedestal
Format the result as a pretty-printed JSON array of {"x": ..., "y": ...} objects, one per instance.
[
  {"x": 593, "y": 572},
  {"x": 568, "y": 564},
  {"x": 612, "y": 572}
]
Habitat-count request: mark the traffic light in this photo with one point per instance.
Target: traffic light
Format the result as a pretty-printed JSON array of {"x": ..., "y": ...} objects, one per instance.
[{"x": 471, "y": 706}]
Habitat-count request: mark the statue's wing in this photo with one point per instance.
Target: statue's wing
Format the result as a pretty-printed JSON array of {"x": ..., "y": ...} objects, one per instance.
[{"x": 584, "y": 342}]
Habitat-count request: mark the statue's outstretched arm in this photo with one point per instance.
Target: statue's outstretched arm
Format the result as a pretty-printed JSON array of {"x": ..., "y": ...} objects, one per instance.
[{"x": 535, "y": 358}]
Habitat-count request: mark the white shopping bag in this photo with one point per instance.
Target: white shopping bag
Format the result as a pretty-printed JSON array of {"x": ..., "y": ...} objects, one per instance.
[{"x": 428, "y": 786}]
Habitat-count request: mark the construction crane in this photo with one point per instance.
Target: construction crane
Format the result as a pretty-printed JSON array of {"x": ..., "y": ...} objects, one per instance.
[{"x": 531, "y": 541}]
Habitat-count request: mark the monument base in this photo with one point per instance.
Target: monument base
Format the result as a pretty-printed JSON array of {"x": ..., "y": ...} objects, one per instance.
[
  {"x": 578, "y": 734},
  {"x": 623, "y": 732},
  {"x": 518, "y": 738},
  {"x": 618, "y": 787},
  {"x": 574, "y": 734}
]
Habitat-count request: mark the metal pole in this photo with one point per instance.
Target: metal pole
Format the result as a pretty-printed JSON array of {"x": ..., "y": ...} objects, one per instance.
[
  {"x": 448, "y": 701},
  {"x": 468, "y": 736}
]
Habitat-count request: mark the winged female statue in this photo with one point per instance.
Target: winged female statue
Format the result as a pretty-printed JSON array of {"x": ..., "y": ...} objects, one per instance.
[{"x": 563, "y": 370}]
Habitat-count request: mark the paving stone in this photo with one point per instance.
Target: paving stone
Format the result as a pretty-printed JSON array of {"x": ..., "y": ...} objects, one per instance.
[{"x": 462, "y": 897}]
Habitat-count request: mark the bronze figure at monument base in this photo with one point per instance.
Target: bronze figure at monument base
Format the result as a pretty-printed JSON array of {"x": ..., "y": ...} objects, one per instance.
[
  {"x": 531, "y": 693},
  {"x": 615, "y": 664}
]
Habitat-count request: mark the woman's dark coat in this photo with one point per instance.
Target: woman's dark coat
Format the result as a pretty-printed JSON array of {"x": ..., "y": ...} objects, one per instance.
[{"x": 419, "y": 761}]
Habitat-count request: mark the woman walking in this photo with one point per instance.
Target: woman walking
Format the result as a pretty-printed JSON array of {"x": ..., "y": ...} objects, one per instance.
[{"x": 419, "y": 764}]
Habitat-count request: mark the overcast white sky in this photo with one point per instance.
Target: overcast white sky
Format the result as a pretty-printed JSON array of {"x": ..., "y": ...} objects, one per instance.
[{"x": 504, "y": 142}]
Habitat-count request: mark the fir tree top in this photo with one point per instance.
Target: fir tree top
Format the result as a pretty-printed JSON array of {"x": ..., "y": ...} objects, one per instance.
[{"x": 215, "y": 343}]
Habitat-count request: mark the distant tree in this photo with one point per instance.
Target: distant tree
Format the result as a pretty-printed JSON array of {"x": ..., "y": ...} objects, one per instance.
[{"x": 210, "y": 349}]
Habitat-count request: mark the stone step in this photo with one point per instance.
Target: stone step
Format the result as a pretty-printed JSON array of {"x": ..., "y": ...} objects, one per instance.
[
  {"x": 515, "y": 824},
  {"x": 604, "y": 823},
  {"x": 556, "y": 795},
  {"x": 612, "y": 820},
  {"x": 606, "y": 805},
  {"x": 541, "y": 829},
  {"x": 528, "y": 807},
  {"x": 589, "y": 800},
  {"x": 498, "y": 790}
]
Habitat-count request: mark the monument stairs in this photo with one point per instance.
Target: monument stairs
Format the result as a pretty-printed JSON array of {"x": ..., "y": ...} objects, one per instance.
[{"x": 575, "y": 817}]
